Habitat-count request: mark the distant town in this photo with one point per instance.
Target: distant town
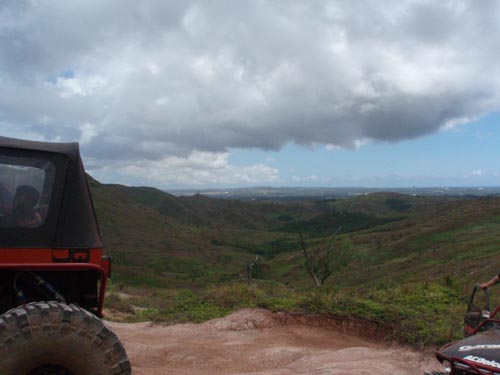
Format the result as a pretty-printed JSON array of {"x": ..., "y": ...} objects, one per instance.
[{"x": 294, "y": 193}]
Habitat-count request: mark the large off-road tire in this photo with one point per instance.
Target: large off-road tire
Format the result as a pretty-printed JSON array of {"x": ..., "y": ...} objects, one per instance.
[{"x": 46, "y": 338}]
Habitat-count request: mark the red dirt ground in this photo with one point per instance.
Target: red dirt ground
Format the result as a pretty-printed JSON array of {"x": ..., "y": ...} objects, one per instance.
[{"x": 255, "y": 341}]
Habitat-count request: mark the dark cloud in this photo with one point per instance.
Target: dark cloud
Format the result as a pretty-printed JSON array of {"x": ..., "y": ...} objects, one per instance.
[{"x": 148, "y": 80}]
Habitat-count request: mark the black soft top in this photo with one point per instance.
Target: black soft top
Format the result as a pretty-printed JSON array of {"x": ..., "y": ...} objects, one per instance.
[
  {"x": 70, "y": 220},
  {"x": 70, "y": 150}
]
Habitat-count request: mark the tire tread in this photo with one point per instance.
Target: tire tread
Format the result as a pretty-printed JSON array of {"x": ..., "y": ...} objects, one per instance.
[{"x": 20, "y": 326}]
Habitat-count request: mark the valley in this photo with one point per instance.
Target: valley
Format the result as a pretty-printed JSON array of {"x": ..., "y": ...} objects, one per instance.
[{"x": 402, "y": 261}]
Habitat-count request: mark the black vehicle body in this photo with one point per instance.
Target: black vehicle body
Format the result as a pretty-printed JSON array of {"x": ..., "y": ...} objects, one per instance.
[
  {"x": 479, "y": 352},
  {"x": 60, "y": 257}
]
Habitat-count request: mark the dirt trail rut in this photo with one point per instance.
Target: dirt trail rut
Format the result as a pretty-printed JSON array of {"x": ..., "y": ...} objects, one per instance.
[{"x": 253, "y": 341}]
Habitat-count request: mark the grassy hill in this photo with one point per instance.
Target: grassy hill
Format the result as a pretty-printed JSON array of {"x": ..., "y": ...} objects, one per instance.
[
  {"x": 412, "y": 259},
  {"x": 160, "y": 240},
  {"x": 433, "y": 239}
]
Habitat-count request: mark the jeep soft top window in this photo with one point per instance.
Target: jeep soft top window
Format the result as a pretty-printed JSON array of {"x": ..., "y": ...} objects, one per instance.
[{"x": 25, "y": 190}]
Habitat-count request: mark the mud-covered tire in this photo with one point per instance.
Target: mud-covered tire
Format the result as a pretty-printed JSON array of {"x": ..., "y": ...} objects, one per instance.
[{"x": 52, "y": 335}]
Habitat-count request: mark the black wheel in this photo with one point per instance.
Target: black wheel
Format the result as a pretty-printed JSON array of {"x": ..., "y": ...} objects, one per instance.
[{"x": 51, "y": 338}]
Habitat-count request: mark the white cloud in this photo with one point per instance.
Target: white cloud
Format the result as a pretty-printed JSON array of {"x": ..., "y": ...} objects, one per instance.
[
  {"x": 88, "y": 132},
  {"x": 80, "y": 86},
  {"x": 477, "y": 172},
  {"x": 161, "y": 80},
  {"x": 70, "y": 87},
  {"x": 200, "y": 168},
  {"x": 356, "y": 144},
  {"x": 311, "y": 179}
]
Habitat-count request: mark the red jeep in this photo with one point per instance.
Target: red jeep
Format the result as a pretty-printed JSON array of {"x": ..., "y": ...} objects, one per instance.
[{"x": 52, "y": 269}]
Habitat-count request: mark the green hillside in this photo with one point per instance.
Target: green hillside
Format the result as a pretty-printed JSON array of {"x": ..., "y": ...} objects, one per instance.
[
  {"x": 435, "y": 239},
  {"x": 403, "y": 258},
  {"x": 159, "y": 240}
]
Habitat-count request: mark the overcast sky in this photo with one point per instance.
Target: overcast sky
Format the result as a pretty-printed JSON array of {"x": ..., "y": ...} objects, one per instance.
[{"x": 238, "y": 93}]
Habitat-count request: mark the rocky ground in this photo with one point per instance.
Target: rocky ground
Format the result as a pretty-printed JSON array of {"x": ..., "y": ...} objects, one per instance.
[{"x": 256, "y": 341}]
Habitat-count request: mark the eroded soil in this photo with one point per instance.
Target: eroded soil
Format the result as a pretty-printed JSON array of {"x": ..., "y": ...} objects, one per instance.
[{"x": 256, "y": 341}]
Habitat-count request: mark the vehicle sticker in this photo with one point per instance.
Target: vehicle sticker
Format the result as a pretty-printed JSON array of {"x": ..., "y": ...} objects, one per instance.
[
  {"x": 482, "y": 361},
  {"x": 467, "y": 348}
]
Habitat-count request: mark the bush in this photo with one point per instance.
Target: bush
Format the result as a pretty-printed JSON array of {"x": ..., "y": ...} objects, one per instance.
[{"x": 418, "y": 314}]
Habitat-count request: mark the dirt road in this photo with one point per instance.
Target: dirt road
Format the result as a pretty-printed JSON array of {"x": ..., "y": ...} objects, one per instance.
[{"x": 253, "y": 341}]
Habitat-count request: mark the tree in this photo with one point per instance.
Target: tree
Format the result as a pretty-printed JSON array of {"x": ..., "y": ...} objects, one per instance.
[
  {"x": 331, "y": 255},
  {"x": 249, "y": 269}
]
